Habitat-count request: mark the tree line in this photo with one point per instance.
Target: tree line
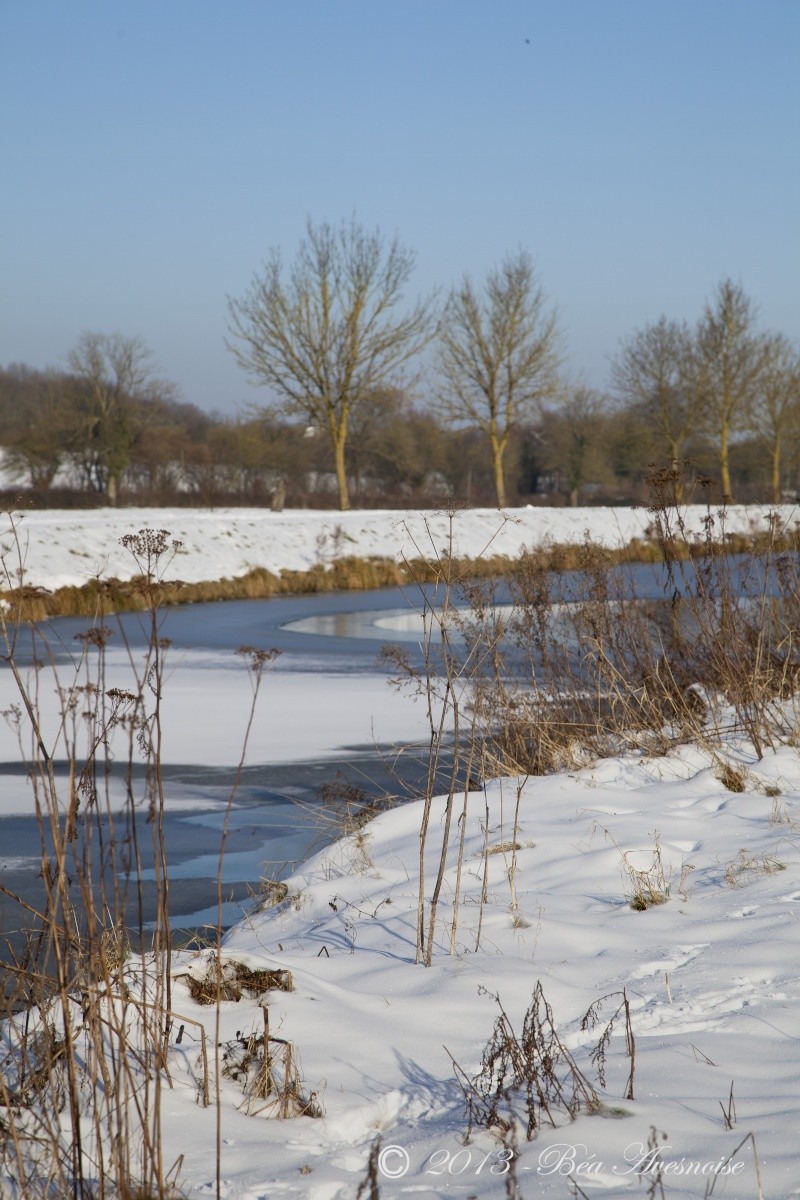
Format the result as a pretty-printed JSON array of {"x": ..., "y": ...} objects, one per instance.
[{"x": 371, "y": 400}]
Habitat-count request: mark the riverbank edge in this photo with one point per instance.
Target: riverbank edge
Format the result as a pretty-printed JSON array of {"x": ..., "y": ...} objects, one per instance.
[{"x": 101, "y": 597}]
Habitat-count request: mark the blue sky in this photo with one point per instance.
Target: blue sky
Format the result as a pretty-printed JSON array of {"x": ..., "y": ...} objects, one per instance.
[{"x": 153, "y": 151}]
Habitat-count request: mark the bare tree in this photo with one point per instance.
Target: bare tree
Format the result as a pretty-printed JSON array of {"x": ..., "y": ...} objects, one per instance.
[
  {"x": 774, "y": 414},
  {"x": 33, "y": 405},
  {"x": 576, "y": 442},
  {"x": 326, "y": 337},
  {"x": 499, "y": 354},
  {"x": 729, "y": 361},
  {"x": 652, "y": 374},
  {"x": 113, "y": 378}
]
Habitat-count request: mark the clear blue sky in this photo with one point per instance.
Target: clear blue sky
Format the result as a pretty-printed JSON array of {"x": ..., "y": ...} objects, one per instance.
[{"x": 153, "y": 151}]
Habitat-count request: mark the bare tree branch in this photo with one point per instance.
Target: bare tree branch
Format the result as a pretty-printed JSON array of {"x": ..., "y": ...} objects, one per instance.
[
  {"x": 332, "y": 332},
  {"x": 499, "y": 354}
]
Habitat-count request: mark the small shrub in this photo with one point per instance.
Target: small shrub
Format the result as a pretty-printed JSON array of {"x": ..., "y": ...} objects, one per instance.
[
  {"x": 647, "y": 886},
  {"x": 273, "y": 892},
  {"x": 267, "y": 1069},
  {"x": 534, "y": 1067},
  {"x": 730, "y": 778}
]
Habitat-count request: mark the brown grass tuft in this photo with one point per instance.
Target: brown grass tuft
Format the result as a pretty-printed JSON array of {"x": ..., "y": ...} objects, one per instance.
[{"x": 231, "y": 980}]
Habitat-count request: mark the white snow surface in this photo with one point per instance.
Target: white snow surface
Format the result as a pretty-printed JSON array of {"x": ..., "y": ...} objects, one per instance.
[
  {"x": 711, "y": 974},
  {"x": 711, "y": 977},
  {"x": 68, "y": 547},
  {"x": 207, "y": 701}
]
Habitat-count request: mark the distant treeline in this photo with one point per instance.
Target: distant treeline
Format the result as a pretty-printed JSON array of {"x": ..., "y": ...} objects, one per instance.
[
  {"x": 492, "y": 417},
  {"x": 590, "y": 449}
]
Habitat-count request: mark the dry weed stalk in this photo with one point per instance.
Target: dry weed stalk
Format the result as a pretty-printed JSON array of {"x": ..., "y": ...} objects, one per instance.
[
  {"x": 87, "y": 1030},
  {"x": 574, "y": 666},
  {"x": 747, "y": 864},
  {"x": 729, "y": 1110},
  {"x": 534, "y": 1069},
  {"x": 647, "y": 887},
  {"x": 256, "y": 660},
  {"x": 592, "y": 1019},
  {"x": 546, "y": 670},
  {"x": 92, "y": 1091},
  {"x": 369, "y": 1187},
  {"x": 268, "y": 1070},
  {"x": 445, "y": 682},
  {"x": 712, "y": 1183},
  {"x": 655, "y": 1164}
]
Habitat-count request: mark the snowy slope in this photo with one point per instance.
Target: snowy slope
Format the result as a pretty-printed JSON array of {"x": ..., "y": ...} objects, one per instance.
[
  {"x": 711, "y": 976},
  {"x": 68, "y": 547}
]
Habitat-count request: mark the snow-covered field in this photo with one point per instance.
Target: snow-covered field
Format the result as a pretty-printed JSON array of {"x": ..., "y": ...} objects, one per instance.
[
  {"x": 63, "y": 548},
  {"x": 711, "y": 974}
]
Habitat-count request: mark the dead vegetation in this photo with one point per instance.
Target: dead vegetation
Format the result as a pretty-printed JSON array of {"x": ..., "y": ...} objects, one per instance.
[
  {"x": 534, "y": 1073},
  {"x": 89, "y": 1038},
  {"x": 569, "y": 667},
  {"x": 233, "y": 980},
  {"x": 558, "y": 680},
  {"x": 746, "y": 865},
  {"x": 337, "y": 571},
  {"x": 647, "y": 885},
  {"x": 267, "y": 1069},
  {"x": 560, "y": 662}
]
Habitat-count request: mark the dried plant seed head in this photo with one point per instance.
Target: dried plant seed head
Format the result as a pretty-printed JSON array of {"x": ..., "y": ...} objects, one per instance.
[
  {"x": 97, "y": 636},
  {"x": 147, "y": 543},
  {"x": 256, "y": 658}
]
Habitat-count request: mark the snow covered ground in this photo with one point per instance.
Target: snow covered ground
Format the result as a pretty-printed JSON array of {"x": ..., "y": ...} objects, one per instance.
[
  {"x": 63, "y": 548},
  {"x": 711, "y": 974}
]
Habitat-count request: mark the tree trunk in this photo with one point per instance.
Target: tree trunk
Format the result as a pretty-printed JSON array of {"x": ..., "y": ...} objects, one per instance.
[
  {"x": 341, "y": 471},
  {"x": 675, "y": 450},
  {"x": 776, "y": 470},
  {"x": 498, "y": 448},
  {"x": 724, "y": 469}
]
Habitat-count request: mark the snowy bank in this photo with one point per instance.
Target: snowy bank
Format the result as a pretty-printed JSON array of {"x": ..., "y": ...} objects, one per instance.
[
  {"x": 63, "y": 548},
  {"x": 710, "y": 976}
]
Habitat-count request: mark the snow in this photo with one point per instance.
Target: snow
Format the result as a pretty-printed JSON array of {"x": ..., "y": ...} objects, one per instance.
[
  {"x": 711, "y": 974},
  {"x": 62, "y": 548},
  {"x": 207, "y": 699}
]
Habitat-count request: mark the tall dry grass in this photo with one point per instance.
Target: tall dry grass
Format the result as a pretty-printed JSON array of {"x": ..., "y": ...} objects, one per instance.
[
  {"x": 337, "y": 571},
  {"x": 581, "y": 667},
  {"x": 87, "y": 1025},
  {"x": 85, "y": 1033},
  {"x": 557, "y": 662}
]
